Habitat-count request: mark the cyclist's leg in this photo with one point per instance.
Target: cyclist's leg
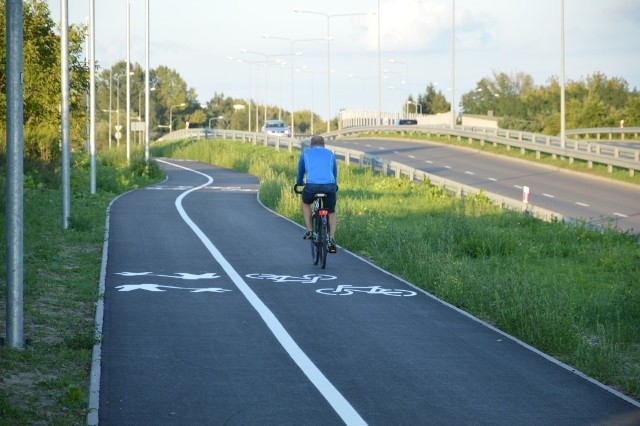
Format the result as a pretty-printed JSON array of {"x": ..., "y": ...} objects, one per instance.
[{"x": 307, "y": 199}]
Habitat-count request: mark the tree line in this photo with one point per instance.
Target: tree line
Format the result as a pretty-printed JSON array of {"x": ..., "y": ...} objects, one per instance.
[{"x": 519, "y": 104}]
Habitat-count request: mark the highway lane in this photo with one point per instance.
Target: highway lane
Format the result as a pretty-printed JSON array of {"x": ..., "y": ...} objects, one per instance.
[{"x": 595, "y": 200}]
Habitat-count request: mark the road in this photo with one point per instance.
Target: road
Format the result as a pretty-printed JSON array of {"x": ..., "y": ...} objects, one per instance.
[
  {"x": 595, "y": 200},
  {"x": 214, "y": 314}
]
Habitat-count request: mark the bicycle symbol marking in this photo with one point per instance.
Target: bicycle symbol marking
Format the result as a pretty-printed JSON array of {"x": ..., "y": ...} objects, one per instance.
[
  {"x": 305, "y": 279},
  {"x": 158, "y": 287},
  {"x": 347, "y": 290},
  {"x": 178, "y": 275}
]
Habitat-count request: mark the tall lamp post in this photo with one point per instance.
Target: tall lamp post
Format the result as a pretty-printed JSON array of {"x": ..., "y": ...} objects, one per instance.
[
  {"x": 171, "y": 115},
  {"x": 292, "y": 54},
  {"x": 328, "y": 16}
]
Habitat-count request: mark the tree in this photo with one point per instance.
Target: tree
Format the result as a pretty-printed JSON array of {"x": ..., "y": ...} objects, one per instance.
[
  {"x": 41, "y": 87},
  {"x": 433, "y": 102}
]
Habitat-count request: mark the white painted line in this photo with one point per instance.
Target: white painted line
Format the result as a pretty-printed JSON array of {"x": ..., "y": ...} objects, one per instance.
[
  {"x": 517, "y": 186},
  {"x": 469, "y": 173},
  {"x": 548, "y": 195},
  {"x": 493, "y": 179},
  {"x": 342, "y": 407},
  {"x": 428, "y": 161},
  {"x": 381, "y": 148},
  {"x": 620, "y": 214},
  {"x": 448, "y": 167},
  {"x": 412, "y": 156},
  {"x": 582, "y": 204}
]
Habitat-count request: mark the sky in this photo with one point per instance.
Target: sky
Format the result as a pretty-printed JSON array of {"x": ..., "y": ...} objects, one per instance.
[{"x": 197, "y": 38}]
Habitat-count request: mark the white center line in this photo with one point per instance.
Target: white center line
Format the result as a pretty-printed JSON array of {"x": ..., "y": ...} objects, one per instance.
[
  {"x": 548, "y": 195},
  {"x": 469, "y": 173},
  {"x": 493, "y": 179},
  {"x": 342, "y": 407},
  {"x": 582, "y": 204}
]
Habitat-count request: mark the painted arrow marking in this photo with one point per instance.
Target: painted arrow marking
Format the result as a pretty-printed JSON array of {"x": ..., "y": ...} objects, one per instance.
[
  {"x": 178, "y": 275},
  {"x": 158, "y": 287}
]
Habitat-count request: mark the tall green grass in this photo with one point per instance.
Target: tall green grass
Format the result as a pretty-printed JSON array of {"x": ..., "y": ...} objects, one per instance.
[
  {"x": 568, "y": 290},
  {"x": 47, "y": 382}
]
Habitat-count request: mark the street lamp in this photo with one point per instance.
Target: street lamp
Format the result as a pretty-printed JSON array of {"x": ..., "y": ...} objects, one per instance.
[
  {"x": 266, "y": 78},
  {"x": 214, "y": 118},
  {"x": 171, "y": 115},
  {"x": 291, "y": 43},
  {"x": 118, "y": 134},
  {"x": 326, "y": 15},
  {"x": 242, "y": 61}
]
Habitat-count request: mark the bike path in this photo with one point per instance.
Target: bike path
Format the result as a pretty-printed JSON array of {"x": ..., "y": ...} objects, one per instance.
[{"x": 212, "y": 315}]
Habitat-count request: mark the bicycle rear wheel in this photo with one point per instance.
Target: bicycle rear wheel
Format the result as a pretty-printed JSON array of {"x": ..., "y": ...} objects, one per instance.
[
  {"x": 323, "y": 242},
  {"x": 315, "y": 253}
]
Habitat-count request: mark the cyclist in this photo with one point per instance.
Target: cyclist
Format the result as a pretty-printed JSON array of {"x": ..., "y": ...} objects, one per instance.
[{"x": 321, "y": 170}]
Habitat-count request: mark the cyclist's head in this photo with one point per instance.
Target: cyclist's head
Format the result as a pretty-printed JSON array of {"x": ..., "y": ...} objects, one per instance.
[{"x": 317, "y": 140}]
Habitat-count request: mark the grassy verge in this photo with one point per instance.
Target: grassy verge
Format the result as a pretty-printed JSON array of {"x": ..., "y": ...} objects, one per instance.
[
  {"x": 47, "y": 381},
  {"x": 569, "y": 291}
]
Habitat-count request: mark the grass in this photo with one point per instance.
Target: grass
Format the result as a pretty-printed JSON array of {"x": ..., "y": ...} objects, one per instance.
[
  {"x": 568, "y": 290},
  {"x": 47, "y": 381}
]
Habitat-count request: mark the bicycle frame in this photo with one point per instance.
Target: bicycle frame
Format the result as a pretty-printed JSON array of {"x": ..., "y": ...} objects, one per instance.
[{"x": 320, "y": 228}]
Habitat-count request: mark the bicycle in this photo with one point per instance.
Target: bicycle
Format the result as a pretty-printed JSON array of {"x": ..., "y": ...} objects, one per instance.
[{"x": 320, "y": 228}]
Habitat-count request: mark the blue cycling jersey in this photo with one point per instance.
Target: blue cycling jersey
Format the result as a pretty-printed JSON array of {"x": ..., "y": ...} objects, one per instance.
[{"x": 319, "y": 164}]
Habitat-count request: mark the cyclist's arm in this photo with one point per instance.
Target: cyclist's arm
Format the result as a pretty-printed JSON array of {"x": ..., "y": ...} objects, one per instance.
[
  {"x": 301, "y": 171},
  {"x": 335, "y": 169}
]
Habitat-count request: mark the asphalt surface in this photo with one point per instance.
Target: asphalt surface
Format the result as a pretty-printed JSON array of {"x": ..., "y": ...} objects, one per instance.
[
  {"x": 215, "y": 315},
  {"x": 591, "y": 199}
]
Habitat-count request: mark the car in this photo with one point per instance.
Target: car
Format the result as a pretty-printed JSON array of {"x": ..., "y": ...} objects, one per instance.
[
  {"x": 406, "y": 121},
  {"x": 276, "y": 127}
]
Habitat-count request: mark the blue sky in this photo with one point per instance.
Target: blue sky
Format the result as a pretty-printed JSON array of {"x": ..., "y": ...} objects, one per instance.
[{"x": 196, "y": 38}]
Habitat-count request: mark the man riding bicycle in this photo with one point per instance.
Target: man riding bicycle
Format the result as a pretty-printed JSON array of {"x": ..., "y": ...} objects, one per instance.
[{"x": 321, "y": 170}]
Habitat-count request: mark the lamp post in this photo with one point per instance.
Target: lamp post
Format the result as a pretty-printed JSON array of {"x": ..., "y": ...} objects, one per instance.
[
  {"x": 242, "y": 61},
  {"x": 171, "y": 115},
  {"x": 328, "y": 16},
  {"x": 118, "y": 135},
  {"x": 266, "y": 78},
  {"x": 401, "y": 82},
  {"x": 292, "y": 54},
  {"x": 215, "y": 118}
]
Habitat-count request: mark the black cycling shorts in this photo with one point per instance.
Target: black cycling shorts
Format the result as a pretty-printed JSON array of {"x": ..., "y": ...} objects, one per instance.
[{"x": 311, "y": 189}]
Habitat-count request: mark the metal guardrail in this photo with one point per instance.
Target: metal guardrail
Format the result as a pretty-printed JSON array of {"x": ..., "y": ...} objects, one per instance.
[
  {"x": 384, "y": 166},
  {"x": 588, "y": 151},
  {"x": 609, "y": 131}
]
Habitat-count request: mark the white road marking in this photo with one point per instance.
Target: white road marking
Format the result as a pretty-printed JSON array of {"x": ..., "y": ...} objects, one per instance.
[
  {"x": 548, "y": 195},
  {"x": 582, "y": 204},
  {"x": 448, "y": 167},
  {"x": 517, "y": 186},
  {"x": 342, "y": 407},
  {"x": 428, "y": 161},
  {"x": 619, "y": 214},
  {"x": 412, "y": 156},
  {"x": 493, "y": 179},
  {"x": 469, "y": 173}
]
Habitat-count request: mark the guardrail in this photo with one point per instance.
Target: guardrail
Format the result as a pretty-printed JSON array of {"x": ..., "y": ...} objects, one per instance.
[
  {"x": 574, "y": 149},
  {"x": 609, "y": 131},
  {"x": 378, "y": 164}
]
